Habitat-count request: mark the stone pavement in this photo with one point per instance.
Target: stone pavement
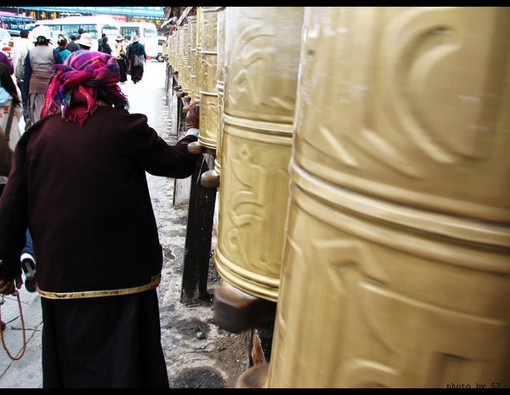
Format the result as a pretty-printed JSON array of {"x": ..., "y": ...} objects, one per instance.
[{"x": 25, "y": 372}]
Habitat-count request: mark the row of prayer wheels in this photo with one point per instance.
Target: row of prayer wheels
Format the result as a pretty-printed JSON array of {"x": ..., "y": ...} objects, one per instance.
[{"x": 364, "y": 161}]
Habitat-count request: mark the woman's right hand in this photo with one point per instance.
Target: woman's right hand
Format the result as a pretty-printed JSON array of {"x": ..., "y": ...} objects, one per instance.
[
  {"x": 192, "y": 117},
  {"x": 8, "y": 287}
]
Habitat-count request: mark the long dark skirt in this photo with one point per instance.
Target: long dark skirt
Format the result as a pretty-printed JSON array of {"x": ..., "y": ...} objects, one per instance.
[
  {"x": 136, "y": 73},
  {"x": 106, "y": 342},
  {"x": 123, "y": 66}
]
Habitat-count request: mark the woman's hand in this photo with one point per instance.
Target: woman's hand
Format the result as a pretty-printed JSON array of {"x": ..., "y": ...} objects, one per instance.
[
  {"x": 192, "y": 117},
  {"x": 8, "y": 287}
]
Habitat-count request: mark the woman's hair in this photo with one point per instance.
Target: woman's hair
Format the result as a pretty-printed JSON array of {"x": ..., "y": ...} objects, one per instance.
[
  {"x": 62, "y": 42},
  {"x": 76, "y": 86},
  {"x": 41, "y": 40},
  {"x": 8, "y": 84}
]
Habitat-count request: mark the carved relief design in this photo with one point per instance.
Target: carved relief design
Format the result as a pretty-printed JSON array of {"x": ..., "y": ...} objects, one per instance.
[
  {"x": 220, "y": 82},
  {"x": 208, "y": 121},
  {"x": 209, "y": 29},
  {"x": 253, "y": 210},
  {"x": 380, "y": 316},
  {"x": 209, "y": 73},
  {"x": 402, "y": 114},
  {"x": 262, "y": 58}
]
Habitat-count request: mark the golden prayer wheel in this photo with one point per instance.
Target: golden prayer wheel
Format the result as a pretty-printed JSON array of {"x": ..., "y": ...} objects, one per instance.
[
  {"x": 262, "y": 48},
  {"x": 198, "y": 57},
  {"x": 192, "y": 43},
  {"x": 172, "y": 49},
  {"x": 220, "y": 85},
  {"x": 208, "y": 90},
  {"x": 182, "y": 57},
  {"x": 179, "y": 55},
  {"x": 184, "y": 75},
  {"x": 396, "y": 265}
]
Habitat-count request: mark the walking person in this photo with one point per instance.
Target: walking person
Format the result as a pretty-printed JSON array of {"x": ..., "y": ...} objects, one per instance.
[
  {"x": 137, "y": 57},
  {"x": 72, "y": 46},
  {"x": 19, "y": 52},
  {"x": 10, "y": 114},
  {"x": 38, "y": 63},
  {"x": 104, "y": 46},
  {"x": 122, "y": 59},
  {"x": 85, "y": 41},
  {"x": 79, "y": 183},
  {"x": 62, "y": 48}
]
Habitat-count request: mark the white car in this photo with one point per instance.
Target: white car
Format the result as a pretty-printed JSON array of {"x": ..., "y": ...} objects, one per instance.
[{"x": 6, "y": 42}]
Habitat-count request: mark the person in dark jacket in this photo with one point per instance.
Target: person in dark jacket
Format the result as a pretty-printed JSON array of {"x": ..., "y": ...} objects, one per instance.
[
  {"x": 137, "y": 57},
  {"x": 79, "y": 184},
  {"x": 72, "y": 46},
  {"x": 104, "y": 46}
]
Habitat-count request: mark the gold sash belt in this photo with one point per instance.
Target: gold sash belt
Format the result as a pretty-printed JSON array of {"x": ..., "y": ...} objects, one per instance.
[{"x": 155, "y": 280}]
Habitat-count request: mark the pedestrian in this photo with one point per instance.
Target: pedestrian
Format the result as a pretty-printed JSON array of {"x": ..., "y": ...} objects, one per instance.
[
  {"x": 80, "y": 177},
  {"x": 100, "y": 42},
  {"x": 62, "y": 48},
  {"x": 137, "y": 57},
  {"x": 122, "y": 59},
  {"x": 38, "y": 63},
  {"x": 85, "y": 41},
  {"x": 10, "y": 101},
  {"x": 72, "y": 46},
  {"x": 105, "y": 47},
  {"x": 7, "y": 61},
  {"x": 19, "y": 52}
]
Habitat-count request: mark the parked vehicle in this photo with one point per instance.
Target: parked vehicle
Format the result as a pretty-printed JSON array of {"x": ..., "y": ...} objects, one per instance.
[{"x": 14, "y": 23}]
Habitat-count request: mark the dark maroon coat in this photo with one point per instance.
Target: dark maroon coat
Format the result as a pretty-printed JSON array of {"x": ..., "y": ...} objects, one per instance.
[{"x": 83, "y": 193}]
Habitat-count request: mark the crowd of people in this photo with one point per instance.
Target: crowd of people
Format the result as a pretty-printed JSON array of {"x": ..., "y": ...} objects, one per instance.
[{"x": 78, "y": 191}]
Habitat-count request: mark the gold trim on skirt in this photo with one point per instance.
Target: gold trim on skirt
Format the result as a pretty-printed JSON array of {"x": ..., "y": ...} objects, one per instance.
[{"x": 155, "y": 280}]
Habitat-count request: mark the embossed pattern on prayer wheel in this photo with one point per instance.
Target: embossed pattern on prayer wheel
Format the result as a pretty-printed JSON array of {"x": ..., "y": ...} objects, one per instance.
[
  {"x": 220, "y": 86},
  {"x": 184, "y": 71},
  {"x": 208, "y": 90},
  {"x": 262, "y": 47},
  {"x": 198, "y": 57},
  {"x": 396, "y": 264},
  {"x": 192, "y": 66},
  {"x": 180, "y": 56},
  {"x": 172, "y": 50}
]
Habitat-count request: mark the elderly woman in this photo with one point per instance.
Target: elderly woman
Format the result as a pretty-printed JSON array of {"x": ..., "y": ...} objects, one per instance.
[
  {"x": 137, "y": 57},
  {"x": 79, "y": 184}
]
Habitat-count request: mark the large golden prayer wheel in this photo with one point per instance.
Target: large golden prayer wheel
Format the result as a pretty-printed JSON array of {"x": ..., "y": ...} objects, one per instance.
[
  {"x": 208, "y": 90},
  {"x": 198, "y": 56},
  {"x": 262, "y": 47},
  {"x": 182, "y": 57},
  {"x": 172, "y": 49},
  {"x": 396, "y": 266},
  {"x": 220, "y": 86},
  {"x": 179, "y": 61},
  {"x": 192, "y": 43}
]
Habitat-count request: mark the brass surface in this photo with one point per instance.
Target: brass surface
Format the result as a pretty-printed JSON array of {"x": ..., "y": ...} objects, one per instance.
[
  {"x": 262, "y": 48},
  {"x": 396, "y": 262}
]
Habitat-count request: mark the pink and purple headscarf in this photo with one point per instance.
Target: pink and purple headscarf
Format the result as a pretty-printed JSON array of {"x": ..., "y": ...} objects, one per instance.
[{"x": 76, "y": 85}]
